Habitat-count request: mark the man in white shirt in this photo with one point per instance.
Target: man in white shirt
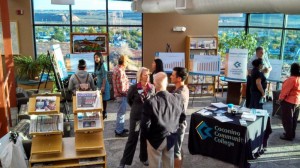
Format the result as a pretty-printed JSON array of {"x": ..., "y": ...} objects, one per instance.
[{"x": 267, "y": 68}]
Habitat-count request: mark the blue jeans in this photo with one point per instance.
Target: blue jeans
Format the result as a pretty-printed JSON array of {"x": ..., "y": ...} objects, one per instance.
[{"x": 120, "y": 121}]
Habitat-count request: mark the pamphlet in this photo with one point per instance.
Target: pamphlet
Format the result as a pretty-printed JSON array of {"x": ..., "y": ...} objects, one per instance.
[
  {"x": 88, "y": 99},
  {"x": 219, "y": 105},
  {"x": 45, "y": 103},
  {"x": 223, "y": 118}
]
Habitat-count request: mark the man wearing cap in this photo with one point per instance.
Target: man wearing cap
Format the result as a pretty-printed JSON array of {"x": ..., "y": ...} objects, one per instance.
[
  {"x": 81, "y": 77},
  {"x": 121, "y": 86}
]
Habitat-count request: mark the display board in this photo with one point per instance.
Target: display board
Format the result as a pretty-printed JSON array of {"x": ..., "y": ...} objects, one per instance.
[
  {"x": 89, "y": 59},
  {"x": 171, "y": 60},
  {"x": 205, "y": 65},
  {"x": 236, "y": 64},
  {"x": 275, "y": 74},
  {"x": 59, "y": 62}
]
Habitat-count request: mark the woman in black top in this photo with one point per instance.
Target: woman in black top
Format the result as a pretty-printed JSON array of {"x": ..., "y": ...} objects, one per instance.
[
  {"x": 157, "y": 66},
  {"x": 259, "y": 85}
]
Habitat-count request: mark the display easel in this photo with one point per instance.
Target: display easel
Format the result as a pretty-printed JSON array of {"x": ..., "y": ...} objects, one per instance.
[{"x": 58, "y": 82}]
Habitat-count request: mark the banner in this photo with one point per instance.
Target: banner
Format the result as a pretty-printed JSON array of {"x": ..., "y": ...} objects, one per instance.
[
  {"x": 171, "y": 60},
  {"x": 89, "y": 59},
  {"x": 205, "y": 64},
  {"x": 275, "y": 74},
  {"x": 236, "y": 64},
  {"x": 59, "y": 61}
]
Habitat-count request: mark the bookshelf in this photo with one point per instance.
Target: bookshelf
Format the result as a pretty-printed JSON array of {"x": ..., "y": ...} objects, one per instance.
[{"x": 203, "y": 85}]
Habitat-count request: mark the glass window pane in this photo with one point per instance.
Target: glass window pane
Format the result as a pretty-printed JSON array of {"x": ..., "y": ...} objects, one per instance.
[
  {"x": 45, "y": 36},
  {"x": 89, "y": 12},
  {"x": 293, "y": 21},
  {"x": 125, "y": 40},
  {"x": 231, "y": 32},
  {"x": 46, "y": 13},
  {"x": 266, "y": 20},
  {"x": 291, "y": 51},
  {"x": 269, "y": 39},
  {"x": 232, "y": 20},
  {"x": 120, "y": 13},
  {"x": 89, "y": 29}
]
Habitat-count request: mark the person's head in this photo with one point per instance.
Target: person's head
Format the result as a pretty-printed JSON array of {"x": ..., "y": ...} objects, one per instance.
[
  {"x": 142, "y": 75},
  {"x": 157, "y": 65},
  {"x": 81, "y": 64},
  {"x": 258, "y": 63},
  {"x": 259, "y": 52},
  {"x": 98, "y": 58},
  {"x": 295, "y": 69},
  {"x": 179, "y": 74},
  {"x": 160, "y": 81},
  {"x": 123, "y": 60}
]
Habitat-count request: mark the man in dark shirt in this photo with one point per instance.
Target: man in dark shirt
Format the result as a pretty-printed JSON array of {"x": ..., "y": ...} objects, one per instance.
[{"x": 159, "y": 124}]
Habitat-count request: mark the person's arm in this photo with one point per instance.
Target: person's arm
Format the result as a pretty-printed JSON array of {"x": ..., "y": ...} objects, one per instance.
[
  {"x": 130, "y": 95},
  {"x": 146, "y": 119},
  {"x": 118, "y": 82},
  {"x": 71, "y": 85},
  {"x": 250, "y": 66},
  {"x": 104, "y": 71},
  {"x": 259, "y": 86},
  {"x": 268, "y": 66},
  {"x": 286, "y": 88},
  {"x": 92, "y": 83}
]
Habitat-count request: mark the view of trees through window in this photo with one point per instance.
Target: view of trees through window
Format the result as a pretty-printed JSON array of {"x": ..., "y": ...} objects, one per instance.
[
  {"x": 53, "y": 24},
  {"x": 280, "y": 32}
]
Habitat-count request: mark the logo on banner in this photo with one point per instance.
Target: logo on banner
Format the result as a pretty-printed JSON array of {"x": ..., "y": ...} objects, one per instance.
[
  {"x": 237, "y": 64},
  {"x": 203, "y": 130}
]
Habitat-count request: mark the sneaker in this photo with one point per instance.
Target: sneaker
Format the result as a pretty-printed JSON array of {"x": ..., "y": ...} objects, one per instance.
[{"x": 122, "y": 134}]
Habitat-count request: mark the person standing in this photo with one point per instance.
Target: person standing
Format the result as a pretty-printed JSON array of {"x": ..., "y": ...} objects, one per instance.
[
  {"x": 179, "y": 75},
  {"x": 81, "y": 77},
  {"x": 266, "y": 69},
  {"x": 121, "y": 85},
  {"x": 101, "y": 78},
  {"x": 289, "y": 99},
  {"x": 157, "y": 66},
  {"x": 160, "y": 118},
  {"x": 137, "y": 94}
]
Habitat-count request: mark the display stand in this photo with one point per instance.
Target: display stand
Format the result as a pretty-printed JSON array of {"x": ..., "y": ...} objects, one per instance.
[
  {"x": 46, "y": 124},
  {"x": 201, "y": 85}
]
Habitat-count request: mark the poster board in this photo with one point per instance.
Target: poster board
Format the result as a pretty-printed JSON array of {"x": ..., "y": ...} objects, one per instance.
[
  {"x": 89, "y": 59},
  {"x": 236, "y": 65},
  {"x": 171, "y": 60},
  {"x": 59, "y": 61},
  {"x": 205, "y": 65},
  {"x": 275, "y": 74},
  {"x": 14, "y": 33},
  {"x": 89, "y": 42}
]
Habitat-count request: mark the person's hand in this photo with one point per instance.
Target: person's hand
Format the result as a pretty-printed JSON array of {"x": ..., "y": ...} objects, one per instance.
[
  {"x": 95, "y": 78},
  {"x": 102, "y": 89},
  {"x": 266, "y": 70}
]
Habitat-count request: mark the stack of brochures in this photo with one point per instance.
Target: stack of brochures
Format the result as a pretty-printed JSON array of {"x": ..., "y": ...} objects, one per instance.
[{"x": 248, "y": 116}]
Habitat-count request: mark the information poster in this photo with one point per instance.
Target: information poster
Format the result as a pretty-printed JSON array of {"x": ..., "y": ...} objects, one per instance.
[
  {"x": 205, "y": 65},
  {"x": 89, "y": 59},
  {"x": 59, "y": 61},
  {"x": 275, "y": 74},
  {"x": 236, "y": 64},
  {"x": 171, "y": 60}
]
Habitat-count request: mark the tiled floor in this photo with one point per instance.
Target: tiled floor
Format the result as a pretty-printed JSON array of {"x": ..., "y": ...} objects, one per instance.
[{"x": 279, "y": 154}]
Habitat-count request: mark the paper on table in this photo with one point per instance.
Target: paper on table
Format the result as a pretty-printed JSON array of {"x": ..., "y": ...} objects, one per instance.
[
  {"x": 260, "y": 112},
  {"x": 248, "y": 117},
  {"x": 219, "y": 105},
  {"x": 204, "y": 112},
  {"x": 211, "y": 108},
  {"x": 223, "y": 118}
]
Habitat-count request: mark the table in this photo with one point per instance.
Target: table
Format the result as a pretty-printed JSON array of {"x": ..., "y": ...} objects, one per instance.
[{"x": 227, "y": 141}]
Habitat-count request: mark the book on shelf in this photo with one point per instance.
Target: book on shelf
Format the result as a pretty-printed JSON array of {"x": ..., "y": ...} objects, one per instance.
[
  {"x": 88, "y": 99},
  {"x": 89, "y": 120},
  {"x": 46, "y": 123},
  {"x": 45, "y": 103}
]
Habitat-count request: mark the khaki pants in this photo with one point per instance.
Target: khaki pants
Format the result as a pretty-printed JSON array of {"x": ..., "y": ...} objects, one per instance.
[{"x": 160, "y": 157}]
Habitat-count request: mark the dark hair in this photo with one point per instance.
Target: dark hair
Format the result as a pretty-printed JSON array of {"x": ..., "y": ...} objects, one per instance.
[
  {"x": 98, "y": 65},
  {"x": 81, "y": 64},
  {"x": 159, "y": 66},
  {"x": 181, "y": 72},
  {"x": 259, "y": 48},
  {"x": 257, "y": 62},
  {"x": 295, "y": 69}
]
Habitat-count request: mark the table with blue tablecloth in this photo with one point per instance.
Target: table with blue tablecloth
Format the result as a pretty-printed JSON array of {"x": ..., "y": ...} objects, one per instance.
[{"x": 228, "y": 141}]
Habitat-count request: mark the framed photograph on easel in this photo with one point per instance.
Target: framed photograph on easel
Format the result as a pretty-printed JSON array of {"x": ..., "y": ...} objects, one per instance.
[{"x": 89, "y": 42}]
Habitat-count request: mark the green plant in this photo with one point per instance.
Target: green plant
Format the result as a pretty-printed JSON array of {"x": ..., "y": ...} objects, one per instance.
[
  {"x": 240, "y": 41},
  {"x": 28, "y": 68}
]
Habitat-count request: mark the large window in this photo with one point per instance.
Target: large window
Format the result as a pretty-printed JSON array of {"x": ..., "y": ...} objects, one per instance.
[{"x": 54, "y": 23}]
